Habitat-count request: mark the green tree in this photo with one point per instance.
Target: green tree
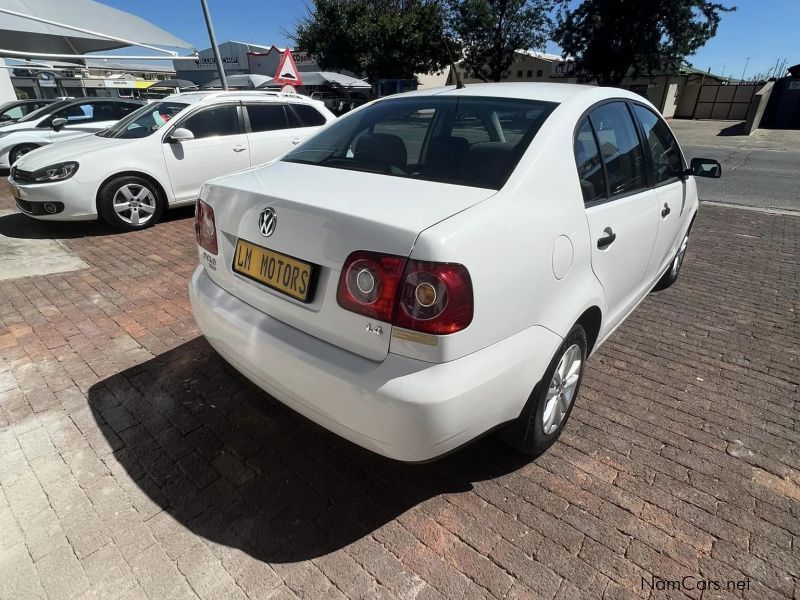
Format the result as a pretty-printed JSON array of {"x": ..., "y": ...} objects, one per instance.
[
  {"x": 612, "y": 38},
  {"x": 491, "y": 30},
  {"x": 382, "y": 39}
]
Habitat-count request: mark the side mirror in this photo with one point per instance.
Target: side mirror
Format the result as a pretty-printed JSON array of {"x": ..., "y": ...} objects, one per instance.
[
  {"x": 180, "y": 135},
  {"x": 705, "y": 167},
  {"x": 58, "y": 123}
]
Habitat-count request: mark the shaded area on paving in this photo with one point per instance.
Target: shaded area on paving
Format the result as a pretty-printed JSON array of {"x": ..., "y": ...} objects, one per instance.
[{"x": 240, "y": 469}]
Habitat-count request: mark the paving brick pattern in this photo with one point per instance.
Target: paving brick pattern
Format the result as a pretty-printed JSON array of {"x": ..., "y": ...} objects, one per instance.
[{"x": 134, "y": 463}]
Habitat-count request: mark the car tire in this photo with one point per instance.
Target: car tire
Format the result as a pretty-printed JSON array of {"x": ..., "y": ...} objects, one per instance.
[
  {"x": 551, "y": 402},
  {"x": 671, "y": 275},
  {"x": 130, "y": 203},
  {"x": 18, "y": 152}
]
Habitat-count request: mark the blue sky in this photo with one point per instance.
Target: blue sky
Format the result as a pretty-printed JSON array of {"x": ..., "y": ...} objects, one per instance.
[{"x": 764, "y": 30}]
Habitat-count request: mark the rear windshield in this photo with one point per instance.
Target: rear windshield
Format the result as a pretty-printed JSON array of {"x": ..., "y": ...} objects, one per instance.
[{"x": 464, "y": 140}]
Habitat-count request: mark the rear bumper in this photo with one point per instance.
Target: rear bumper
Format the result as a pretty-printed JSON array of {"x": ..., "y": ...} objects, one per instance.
[{"x": 403, "y": 408}]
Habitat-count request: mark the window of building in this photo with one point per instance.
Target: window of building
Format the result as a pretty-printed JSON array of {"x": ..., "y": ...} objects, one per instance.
[
  {"x": 530, "y": 74},
  {"x": 619, "y": 145},
  {"x": 539, "y": 73},
  {"x": 519, "y": 74}
]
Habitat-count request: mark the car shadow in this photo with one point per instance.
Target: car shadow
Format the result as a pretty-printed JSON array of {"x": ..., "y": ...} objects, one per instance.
[
  {"x": 240, "y": 469},
  {"x": 20, "y": 226}
]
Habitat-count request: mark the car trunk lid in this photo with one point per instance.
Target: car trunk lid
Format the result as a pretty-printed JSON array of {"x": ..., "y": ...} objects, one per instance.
[{"x": 322, "y": 215}]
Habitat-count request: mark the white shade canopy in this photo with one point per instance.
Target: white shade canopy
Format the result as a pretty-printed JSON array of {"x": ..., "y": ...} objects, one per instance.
[
  {"x": 242, "y": 80},
  {"x": 21, "y": 34}
]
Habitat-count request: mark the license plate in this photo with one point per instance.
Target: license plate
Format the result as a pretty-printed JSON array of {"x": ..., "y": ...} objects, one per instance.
[{"x": 280, "y": 272}]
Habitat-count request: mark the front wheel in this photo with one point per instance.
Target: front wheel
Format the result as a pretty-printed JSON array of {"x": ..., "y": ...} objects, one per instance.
[
  {"x": 19, "y": 151},
  {"x": 551, "y": 402},
  {"x": 130, "y": 203}
]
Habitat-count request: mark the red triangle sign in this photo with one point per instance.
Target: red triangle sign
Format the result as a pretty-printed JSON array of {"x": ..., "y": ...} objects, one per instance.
[{"x": 287, "y": 73}]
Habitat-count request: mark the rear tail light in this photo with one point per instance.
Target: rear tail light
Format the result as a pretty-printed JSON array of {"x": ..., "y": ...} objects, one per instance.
[
  {"x": 368, "y": 284},
  {"x": 205, "y": 228},
  {"x": 424, "y": 296}
]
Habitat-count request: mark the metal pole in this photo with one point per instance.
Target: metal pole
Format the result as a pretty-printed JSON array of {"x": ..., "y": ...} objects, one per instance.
[
  {"x": 747, "y": 62},
  {"x": 213, "y": 38}
]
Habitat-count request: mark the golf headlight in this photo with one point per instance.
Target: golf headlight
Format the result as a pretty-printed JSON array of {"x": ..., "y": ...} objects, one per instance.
[{"x": 57, "y": 172}]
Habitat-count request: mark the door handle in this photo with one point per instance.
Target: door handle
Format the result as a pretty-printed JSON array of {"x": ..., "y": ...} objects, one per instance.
[
  {"x": 607, "y": 239},
  {"x": 666, "y": 210},
  {"x": 296, "y": 140},
  {"x": 239, "y": 148}
]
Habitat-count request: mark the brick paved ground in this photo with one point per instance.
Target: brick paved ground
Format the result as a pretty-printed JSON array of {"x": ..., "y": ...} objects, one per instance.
[{"x": 134, "y": 463}]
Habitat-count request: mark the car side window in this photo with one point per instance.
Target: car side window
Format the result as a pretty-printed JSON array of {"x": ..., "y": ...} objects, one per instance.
[
  {"x": 309, "y": 115},
  {"x": 620, "y": 148},
  {"x": 267, "y": 117},
  {"x": 222, "y": 120},
  {"x": 125, "y": 108},
  {"x": 17, "y": 112},
  {"x": 664, "y": 151},
  {"x": 87, "y": 112},
  {"x": 590, "y": 167}
]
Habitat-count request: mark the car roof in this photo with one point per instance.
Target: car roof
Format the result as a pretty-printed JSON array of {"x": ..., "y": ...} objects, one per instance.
[
  {"x": 544, "y": 91},
  {"x": 240, "y": 95}
]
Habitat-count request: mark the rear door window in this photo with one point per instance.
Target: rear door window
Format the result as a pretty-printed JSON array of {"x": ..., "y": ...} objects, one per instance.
[
  {"x": 590, "y": 167},
  {"x": 309, "y": 116},
  {"x": 267, "y": 117},
  {"x": 665, "y": 155},
  {"x": 619, "y": 145},
  {"x": 219, "y": 121}
]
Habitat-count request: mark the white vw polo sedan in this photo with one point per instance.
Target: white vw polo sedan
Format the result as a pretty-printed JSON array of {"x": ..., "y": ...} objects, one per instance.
[
  {"x": 159, "y": 155},
  {"x": 435, "y": 265}
]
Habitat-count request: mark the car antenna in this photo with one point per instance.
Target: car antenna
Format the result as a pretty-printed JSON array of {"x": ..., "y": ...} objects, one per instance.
[{"x": 459, "y": 83}]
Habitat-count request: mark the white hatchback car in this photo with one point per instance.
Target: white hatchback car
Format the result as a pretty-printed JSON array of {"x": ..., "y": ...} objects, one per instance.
[
  {"x": 159, "y": 155},
  {"x": 438, "y": 264},
  {"x": 59, "y": 122}
]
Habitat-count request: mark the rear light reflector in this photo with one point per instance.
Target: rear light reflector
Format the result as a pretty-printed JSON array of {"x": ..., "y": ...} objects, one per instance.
[
  {"x": 424, "y": 296},
  {"x": 205, "y": 228}
]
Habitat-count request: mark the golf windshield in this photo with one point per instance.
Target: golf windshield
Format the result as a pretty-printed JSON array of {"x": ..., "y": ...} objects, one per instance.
[
  {"x": 144, "y": 121},
  {"x": 463, "y": 140},
  {"x": 44, "y": 110}
]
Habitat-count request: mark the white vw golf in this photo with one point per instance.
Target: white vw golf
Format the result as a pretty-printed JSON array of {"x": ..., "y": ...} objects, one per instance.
[
  {"x": 159, "y": 155},
  {"x": 438, "y": 264}
]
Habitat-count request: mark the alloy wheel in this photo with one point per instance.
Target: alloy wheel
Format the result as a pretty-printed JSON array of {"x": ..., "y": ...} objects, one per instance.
[
  {"x": 561, "y": 391},
  {"x": 134, "y": 204}
]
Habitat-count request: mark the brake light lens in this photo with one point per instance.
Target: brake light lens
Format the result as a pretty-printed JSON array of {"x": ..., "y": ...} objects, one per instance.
[
  {"x": 368, "y": 284},
  {"x": 435, "y": 298},
  {"x": 424, "y": 296},
  {"x": 205, "y": 228}
]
